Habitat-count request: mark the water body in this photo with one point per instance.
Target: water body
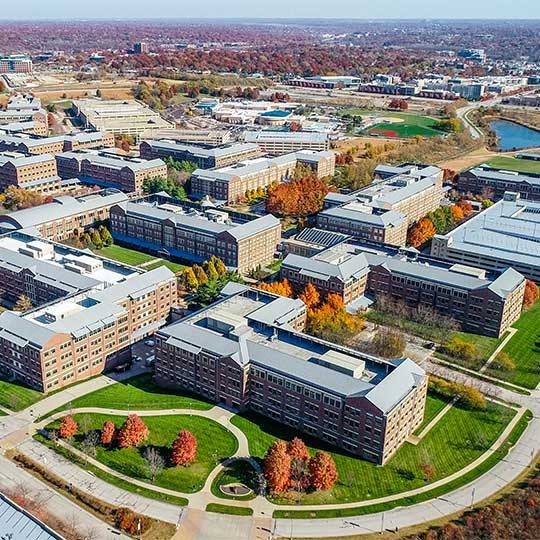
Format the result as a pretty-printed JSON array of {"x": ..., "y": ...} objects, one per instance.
[{"x": 514, "y": 136}]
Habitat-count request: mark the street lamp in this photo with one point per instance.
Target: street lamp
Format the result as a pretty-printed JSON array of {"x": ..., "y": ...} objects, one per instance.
[
  {"x": 472, "y": 496},
  {"x": 382, "y": 523}
]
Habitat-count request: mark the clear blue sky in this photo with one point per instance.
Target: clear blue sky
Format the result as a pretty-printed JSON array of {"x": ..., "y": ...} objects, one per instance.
[{"x": 363, "y": 9}]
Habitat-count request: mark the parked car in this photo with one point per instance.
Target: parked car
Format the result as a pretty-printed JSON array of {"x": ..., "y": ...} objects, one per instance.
[{"x": 149, "y": 342}]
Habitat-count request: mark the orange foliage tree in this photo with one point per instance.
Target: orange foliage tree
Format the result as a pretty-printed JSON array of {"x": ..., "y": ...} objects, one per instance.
[
  {"x": 299, "y": 198},
  {"x": 133, "y": 432},
  {"x": 457, "y": 212},
  {"x": 323, "y": 471},
  {"x": 466, "y": 206},
  {"x": 283, "y": 287},
  {"x": 68, "y": 427},
  {"x": 297, "y": 449},
  {"x": 310, "y": 296},
  {"x": 531, "y": 294},
  {"x": 108, "y": 432},
  {"x": 277, "y": 467},
  {"x": 421, "y": 232},
  {"x": 184, "y": 448}
]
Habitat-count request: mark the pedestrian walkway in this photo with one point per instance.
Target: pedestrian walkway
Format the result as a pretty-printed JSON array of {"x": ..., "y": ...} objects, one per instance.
[
  {"x": 502, "y": 345},
  {"x": 415, "y": 439}
]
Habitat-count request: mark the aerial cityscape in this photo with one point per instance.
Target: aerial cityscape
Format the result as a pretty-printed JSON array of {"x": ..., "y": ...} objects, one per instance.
[{"x": 270, "y": 271}]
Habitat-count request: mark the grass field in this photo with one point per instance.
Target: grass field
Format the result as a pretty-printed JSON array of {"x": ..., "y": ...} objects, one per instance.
[
  {"x": 233, "y": 510},
  {"x": 125, "y": 255},
  {"x": 215, "y": 443},
  {"x": 434, "y": 405},
  {"x": 172, "y": 266},
  {"x": 16, "y": 397},
  {"x": 524, "y": 349},
  {"x": 239, "y": 471},
  {"x": 459, "y": 438},
  {"x": 513, "y": 164},
  {"x": 137, "y": 393}
]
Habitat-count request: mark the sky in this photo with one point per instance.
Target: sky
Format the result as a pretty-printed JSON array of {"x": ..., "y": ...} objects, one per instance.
[{"x": 362, "y": 9}]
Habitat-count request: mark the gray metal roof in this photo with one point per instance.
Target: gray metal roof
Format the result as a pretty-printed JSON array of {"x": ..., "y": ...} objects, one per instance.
[
  {"x": 201, "y": 152},
  {"x": 17, "y": 524},
  {"x": 502, "y": 176},
  {"x": 277, "y": 312},
  {"x": 320, "y": 237},
  {"x": 254, "y": 226},
  {"x": 16, "y": 328},
  {"x": 287, "y": 136},
  {"x": 355, "y": 214}
]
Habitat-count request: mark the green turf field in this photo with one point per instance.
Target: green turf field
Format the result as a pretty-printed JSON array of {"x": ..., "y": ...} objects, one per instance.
[{"x": 514, "y": 164}]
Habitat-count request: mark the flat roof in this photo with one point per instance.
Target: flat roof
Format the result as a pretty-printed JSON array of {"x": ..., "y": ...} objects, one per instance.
[{"x": 285, "y": 136}]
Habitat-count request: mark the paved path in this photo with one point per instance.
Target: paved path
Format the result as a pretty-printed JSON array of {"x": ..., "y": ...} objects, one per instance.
[{"x": 502, "y": 345}]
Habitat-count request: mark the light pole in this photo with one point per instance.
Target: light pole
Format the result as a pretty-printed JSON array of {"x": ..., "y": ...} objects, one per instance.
[
  {"x": 472, "y": 496},
  {"x": 382, "y": 523}
]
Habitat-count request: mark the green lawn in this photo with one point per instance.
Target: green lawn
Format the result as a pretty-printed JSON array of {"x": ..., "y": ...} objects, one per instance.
[
  {"x": 233, "y": 510},
  {"x": 215, "y": 443},
  {"x": 137, "y": 393},
  {"x": 16, "y": 397},
  {"x": 239, "y": 471},
  {"x": 524, "y": 349},
  {"x": 514, "y": 164},
  {"x": 458, "y": 439},
  {"x": 172, "y": 266},
  {"x": 434, "y": 405},
  {"x": 125, "y": 255}
]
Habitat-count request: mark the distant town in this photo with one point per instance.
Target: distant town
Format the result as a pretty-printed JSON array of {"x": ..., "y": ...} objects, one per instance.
[{"x": 250, "y": 284}]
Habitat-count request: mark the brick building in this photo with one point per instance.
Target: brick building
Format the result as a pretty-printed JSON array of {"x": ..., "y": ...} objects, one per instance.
[
  {"x": 38, "y": 173},
  {"x": 231, "y": 183},
  {"x": 166, "y": 225},
  {"x": 279, "y": 142},
  {"x": 109, "y": 170},
  {"x": 247, "y": 352},
  {"x": 89, "y": 311}
]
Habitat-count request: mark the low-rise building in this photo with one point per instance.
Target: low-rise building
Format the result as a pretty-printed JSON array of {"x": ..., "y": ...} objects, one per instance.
[
  {"x": 29, "y": 127},
  {"x": 24, "y": 108},
  {"x": 120, "y": 117},
  {"x": 204, "y": 157},
  {"x": 88, "y": 311},
  {"x": 109, "y": 170},
  {"x": 504, "y": 235},
  {"x": 165, "y": 225},
  {"x": 231, "y": 183},
  {"x": 493, "y": 183},
  {"x": 247, "y": 351},
  {"x": 278, "y": 142},
  {"x": 210, "y": 137},
  {"x": 16, "y": 63},
  {"x": 38, "y": 173},
  {"x": 64, "y": 216}
]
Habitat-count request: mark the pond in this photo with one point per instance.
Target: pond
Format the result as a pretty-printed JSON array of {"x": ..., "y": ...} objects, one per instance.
[{"x": 514, "y": 136}]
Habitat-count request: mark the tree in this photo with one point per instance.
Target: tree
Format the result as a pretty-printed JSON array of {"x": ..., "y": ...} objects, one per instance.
[
  {"x": 105, "y": 235},
  {"x": 96, "y": 239},
  {"x": 200, "y": 274},
  {"x": 389, "y": 343},
  {"x": 108, "y": 433},
  {"x": 297, "y": 449},
  {"x": 460, "y": 348},
  {"x": 465, "y": 206},
  {"x": 23, "y": 303},
  {"x": 133, "y": 432},
  {"x": 323, "y": 471},
  {"x": 277, "y": 467},
  {"x": 428, "y": 469},
  {"x": 188, "y": 279},
  {"x": 421, "y": 232},
  {"x": 531, "y": 294},
  {"x": 154, "y": 462},
  {"x": 219, "y": 265},
  {"x": 283, "y": 287},
  {"x": 68, "y": 427},
  {"x": 310, "y": 296},
  {"x": 210, "y": 270},
  {"x": 184, "y": 448},
  {"x": 89, "y": 443},
  {"x": 457, "y": 212},
  {"x": 503, "y": 362}
]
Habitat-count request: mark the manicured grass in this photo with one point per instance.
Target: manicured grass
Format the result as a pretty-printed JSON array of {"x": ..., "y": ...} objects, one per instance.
[
  {"x": 215, "y": 443},
  {"x": 233, "y": 510},
  {"x": 110, "y": 478},
  {"x": 459, "y": 438},
  {"x": 434, "y": 405},
  {"x": 137, "y": 393},
  {"x": 524, "y": 349},
  {"x": 485, "y": 466},
  {"x": 172, "y": 266},
  {"x": 514, "y": 164},
  {"x": 17, "y": 397},
  {"x": 239, "y": 471},
  {"x": 125, "y": 255}
]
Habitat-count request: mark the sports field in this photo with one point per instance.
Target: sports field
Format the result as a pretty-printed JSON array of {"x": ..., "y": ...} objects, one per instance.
[{"x": 514, "y": 164}]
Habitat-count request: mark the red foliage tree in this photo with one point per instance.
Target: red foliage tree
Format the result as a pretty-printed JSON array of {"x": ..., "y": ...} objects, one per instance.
[
  {"x": 297, "y": 449},
  {"x": 323, "y": 471},
  {"x": 277, "y": 467},
  {"x": 108, "y": 433},
  {"x": 184, "y": 448},
  {"x": 421, "y": 232},
  {"x": 457, "y": 212},
  {"x": 531, "y": 294},
  {"x": 133, "y": 432},
  {"x": 466, "y": 206},
  {"x": 68, "y": 427}
]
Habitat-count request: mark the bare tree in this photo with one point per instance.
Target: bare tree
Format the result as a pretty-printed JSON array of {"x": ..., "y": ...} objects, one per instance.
[
  {"x": 154, "y": 461},
  {"x": 89, "y": 444}
]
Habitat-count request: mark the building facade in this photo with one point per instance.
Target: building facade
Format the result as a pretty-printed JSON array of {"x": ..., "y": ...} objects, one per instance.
[
  {"x": 247, "y": 351},
  {"x": 277, "y": 143},
  {"x": 38, "y": 173}
]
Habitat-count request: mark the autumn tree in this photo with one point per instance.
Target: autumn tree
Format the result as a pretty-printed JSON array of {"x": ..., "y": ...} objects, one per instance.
[
  {"x": 297, "y": 449},
  {"x": 277, "y": 467},
  {"x": 503, "y": 362},
  {"x": 421, "y": 232},
  {"x": 466, "y": 206},
  {"x": 189, "y": 281},
  {"x": 457, "y": 212},
  {"x": 460, "y": 348},
  {"x": 323, "y": 471},
  {"x": 200, "y": 274},
  {"x": 388, "y": 343},
  {"x": 184, "y": 448},
  {"x": 23, "y": 303},
  {"x": 283, "y": 287},
  {"x": 68, "y": 427},
  {"x": 108, "y": 433},
  {"x": 310, "y": 296},
  {"x": 133, "y": 432},
  {"x": 531, "y": 294}
]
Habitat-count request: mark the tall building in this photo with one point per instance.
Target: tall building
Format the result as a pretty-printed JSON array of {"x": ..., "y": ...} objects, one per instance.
[
  {"x": 38, "y": 173},
  {"x": 278, "y": 142},
  {"x": 88, "y": 311},
  {"x": 165, "y": 225},
  {"x": 16, "y": 63},
  {"x": 141, "y": 48},
  {"x": 247, "y": 351}
]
